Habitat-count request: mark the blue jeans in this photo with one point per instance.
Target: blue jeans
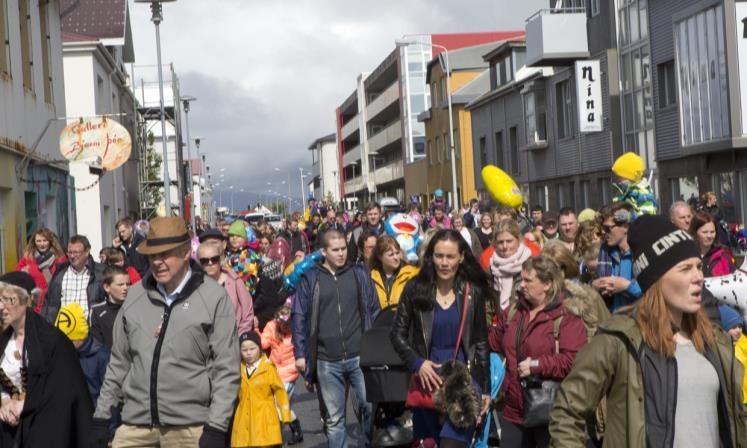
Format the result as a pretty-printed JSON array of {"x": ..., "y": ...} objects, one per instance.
[{"x": 332, "y": 377}]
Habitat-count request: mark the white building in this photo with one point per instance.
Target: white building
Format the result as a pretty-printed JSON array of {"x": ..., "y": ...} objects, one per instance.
[
  {"x": 325, "y": 168},
  {"x": 97, "y": 43},
  {"x": 34, "y": 182}
]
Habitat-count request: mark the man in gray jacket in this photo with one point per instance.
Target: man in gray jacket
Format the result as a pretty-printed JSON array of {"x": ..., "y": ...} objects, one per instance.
[{"x": 175, "y": 359}]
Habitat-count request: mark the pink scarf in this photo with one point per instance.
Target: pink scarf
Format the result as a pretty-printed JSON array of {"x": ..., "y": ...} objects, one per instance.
[{"x": 505, "y": 269}]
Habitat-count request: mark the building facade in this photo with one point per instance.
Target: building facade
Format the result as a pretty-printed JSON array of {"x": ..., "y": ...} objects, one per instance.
[
  {"x": 378, "y": 133},
  {"x": 97, "y": 43},
  {"x": 325, "y": 168},
  {"x": 530, "y": 122},
  {"x": 468, "y": 79},
  {"x": 35, "y": 187}
]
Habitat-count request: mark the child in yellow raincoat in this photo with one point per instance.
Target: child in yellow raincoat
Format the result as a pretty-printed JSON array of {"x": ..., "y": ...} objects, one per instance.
[
  {"x": 733, "y": 324},
  {"x": 256, "y": 422}
]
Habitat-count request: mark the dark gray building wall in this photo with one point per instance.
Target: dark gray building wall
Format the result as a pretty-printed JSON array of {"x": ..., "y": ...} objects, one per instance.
[{"x": 601, "y": 27}]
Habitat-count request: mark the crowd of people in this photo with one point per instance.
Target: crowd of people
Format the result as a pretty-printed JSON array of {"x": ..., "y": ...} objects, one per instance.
[{"x": 181, "y": 338}]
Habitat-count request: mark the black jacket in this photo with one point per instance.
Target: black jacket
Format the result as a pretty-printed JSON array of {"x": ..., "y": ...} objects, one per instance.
[
  {"x": 411, "y": 333},
  {"x": 356, "y": 234},
  {"x": 296, "y": 241},
  {"x": 102, "y": 319},
  {"x": 95, "y": 292},
  {"x": 58, "y": 410},
  {"x": 133, "y": 257}
]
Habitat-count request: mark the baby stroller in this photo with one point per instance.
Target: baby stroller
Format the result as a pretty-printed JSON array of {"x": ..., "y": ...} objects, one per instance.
[{"x": 387, "y": 379}]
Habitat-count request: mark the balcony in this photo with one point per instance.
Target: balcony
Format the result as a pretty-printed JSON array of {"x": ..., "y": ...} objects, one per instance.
[
  {"x": 350, "y": 127},
  {"x": 384, "y": 100},
  {"x": 315, "y": 170},
  {"x": 354, "y": 185},
  {"x": 388, "y": 173},
  {"x": 386, "y": 136},
  {"x": 556, "y": 37},
  {"x": 351, "y": 156}
]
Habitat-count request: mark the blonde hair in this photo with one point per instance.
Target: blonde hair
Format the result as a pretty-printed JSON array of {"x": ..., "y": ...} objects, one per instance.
[
  {"x": 506, "y": 225},
  {"x": 54, "y": 244},
  {"x": 547, "y": 271},
  {"x": 557, "y": 252},
  {"x": 24, "y": 298}
]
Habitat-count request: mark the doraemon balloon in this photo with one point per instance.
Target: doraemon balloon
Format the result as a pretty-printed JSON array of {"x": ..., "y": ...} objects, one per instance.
[{"x": 405, "y": 229}]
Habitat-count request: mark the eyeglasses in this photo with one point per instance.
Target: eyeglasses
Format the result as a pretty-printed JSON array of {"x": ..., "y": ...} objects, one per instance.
[
  {"x": 608, "y": 228},
  {"x": 209, "y": 260},
  {"x": 8, "y": 300}
]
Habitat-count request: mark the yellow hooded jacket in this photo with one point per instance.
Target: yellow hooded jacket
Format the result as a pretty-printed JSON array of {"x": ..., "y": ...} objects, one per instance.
[
  {"x": 740, "y": 350},
  {"x": 405, "y": 273},
  {"x": 256, "y": 421}
]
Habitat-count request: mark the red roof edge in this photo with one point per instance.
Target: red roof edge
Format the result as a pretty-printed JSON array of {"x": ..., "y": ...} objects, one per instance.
[{"x": 462, "y": 40}]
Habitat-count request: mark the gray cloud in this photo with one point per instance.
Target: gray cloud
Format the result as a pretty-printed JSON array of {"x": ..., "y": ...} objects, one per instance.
[{"x": 268, "y": 75}]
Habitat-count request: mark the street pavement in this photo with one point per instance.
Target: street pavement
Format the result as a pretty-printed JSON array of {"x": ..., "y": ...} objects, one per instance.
[{"x": 306, "y": 407}]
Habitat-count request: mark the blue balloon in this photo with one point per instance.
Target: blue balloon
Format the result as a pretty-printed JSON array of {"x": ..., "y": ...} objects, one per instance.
[{"x": 291, "y": 281}]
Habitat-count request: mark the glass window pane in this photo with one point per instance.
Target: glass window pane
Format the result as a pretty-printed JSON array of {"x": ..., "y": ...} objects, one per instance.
[
  {"x": 642, "y": 8},
  {"x": 627, "y": 74},
  {"x": 684, "y": 82},
  {"x": 714, "y": 78},
  {"x": 623, "y": 24},
  {"x": 648, "y": 102},
  {"x": 727, "y": 197},
  {"x": 639, "y": 112},
  {"x": 635, "y": 31},
  {"x": 629, "y": 114},
  {"x": 637, "y": 70},
  {"x": 725, "y": 127},
  {"x": 704, "y": 79},
  {"x": 692, "y": 38}
]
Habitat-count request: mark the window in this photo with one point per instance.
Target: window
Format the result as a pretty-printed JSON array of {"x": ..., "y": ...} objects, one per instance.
[
  {"x": 447, "y": 147},
  {"x": 725, "y": 189},
  {"x": 667, "y": 86},
  {"x": 438, "y": 149},
  {"x": 513, "y": 143},
  {"x": 534, "y": 116},
  {"x": 483, "y": 152},
  {"x": 561, "y": 195},
  {"x": 595, "y": 7},
  {"x": 572, "y": 195},
  {"x": 564, "y": 106},
  {"x": 419, "y": 148},
  {"x": 46, "y": 52},
  {"x": 27, "y": 64},
  {"x": 431, "y": 156},
  {"x": 499, "y": 159},
  {"x": 605, "y": 189},
  {"x": 684, "y": 189},
  {"x": 701, "y": 65},
  {"x": 4, "y": 39},
  {"x": 585, "y": 194},
  {"x": 443, "y": 92},
  {"x": 542, "y": 197}
]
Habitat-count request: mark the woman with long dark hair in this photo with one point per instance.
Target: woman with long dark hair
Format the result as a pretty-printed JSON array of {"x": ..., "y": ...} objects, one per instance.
[
  {"x": 716, "y": 257},
  {"x": 431, "y": 310},
  {"x": 669, "y": 379}
]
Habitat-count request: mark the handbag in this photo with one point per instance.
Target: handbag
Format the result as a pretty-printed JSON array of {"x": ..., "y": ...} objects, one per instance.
[
  {"x": 417, "y": 395},
  {"x": 538, "y": 393}
]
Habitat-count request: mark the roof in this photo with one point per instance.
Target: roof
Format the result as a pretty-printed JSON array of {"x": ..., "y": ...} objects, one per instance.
[
  {"x": 461, "y": 40},
  {"x": 473, "y": 89},
  {"x": 105, "y": 20},
  {"x": 468, "y": 58},
  {"x": 517, "y": 42},
  {"x": 331, "y": 138}
]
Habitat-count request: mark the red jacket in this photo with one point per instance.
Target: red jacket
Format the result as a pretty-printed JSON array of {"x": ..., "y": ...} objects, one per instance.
[
  {"x": 31, "y": 267},
  {"x": 487, "y": 254},
  {"x": 717, "y": 262},
  {"x": 537, "y": 342}
]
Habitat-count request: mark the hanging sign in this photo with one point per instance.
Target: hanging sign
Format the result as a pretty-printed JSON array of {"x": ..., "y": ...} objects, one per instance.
[
  {"x": 97, "y": 137},
  {"x": 741, "y": 10},
  {"x": 589, "y": 93}
]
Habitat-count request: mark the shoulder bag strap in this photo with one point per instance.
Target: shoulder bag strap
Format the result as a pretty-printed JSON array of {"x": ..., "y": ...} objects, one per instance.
[
  {"x": 556, "y": 332},
  {"x": 461, "y": 324},
  {"x": 518, "y": 338}
]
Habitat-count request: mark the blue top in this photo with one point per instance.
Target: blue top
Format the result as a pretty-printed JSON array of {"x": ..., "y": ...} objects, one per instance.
[
  {"x": 622, "y": 266},
  {"x": 445, "y": 333}
]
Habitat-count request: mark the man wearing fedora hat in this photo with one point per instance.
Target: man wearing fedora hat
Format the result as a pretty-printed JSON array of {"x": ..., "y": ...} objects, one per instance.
[{"x": 175, "y": 354}]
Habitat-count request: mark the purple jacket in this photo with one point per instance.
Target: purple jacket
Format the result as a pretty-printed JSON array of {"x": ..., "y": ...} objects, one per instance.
[{"x": 242, "y": 301}]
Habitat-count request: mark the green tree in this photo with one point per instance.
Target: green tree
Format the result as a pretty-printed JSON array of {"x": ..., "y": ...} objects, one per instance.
[{"x": 153, "y": 185}]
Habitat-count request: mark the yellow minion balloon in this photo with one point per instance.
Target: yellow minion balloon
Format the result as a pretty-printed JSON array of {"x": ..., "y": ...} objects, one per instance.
[{"x": 501, "y": 187}]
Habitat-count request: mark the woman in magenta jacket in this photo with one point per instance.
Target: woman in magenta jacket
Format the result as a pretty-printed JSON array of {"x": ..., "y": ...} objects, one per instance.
[
  {"x": 538, "y": 306},
  {"x": 716, "y": 258},
  {"x": 211, "y": 257}
]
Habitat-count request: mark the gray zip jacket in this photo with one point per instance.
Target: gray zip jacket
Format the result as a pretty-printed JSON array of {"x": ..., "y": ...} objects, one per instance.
[{"x": 186, "y": 373}]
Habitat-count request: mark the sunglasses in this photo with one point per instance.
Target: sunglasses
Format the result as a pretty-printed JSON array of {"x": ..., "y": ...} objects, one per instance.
[
  {"x": 608, "y": 229},
  {"x": 210, "y": 260}
]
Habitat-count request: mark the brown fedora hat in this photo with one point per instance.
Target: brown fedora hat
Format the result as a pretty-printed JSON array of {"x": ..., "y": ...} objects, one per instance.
[{"x": 164, "y": 234}]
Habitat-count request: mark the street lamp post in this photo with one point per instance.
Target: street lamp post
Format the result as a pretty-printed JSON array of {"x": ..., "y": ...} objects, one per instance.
[
  {"x": 157, "y": 18},
  {"x": 405, "y": 43},
  {"x": 303, "y": 191},
  {"x": 186, "y": 99}
]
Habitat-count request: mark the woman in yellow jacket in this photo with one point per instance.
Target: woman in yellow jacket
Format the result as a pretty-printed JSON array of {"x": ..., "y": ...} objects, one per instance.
[
  {"x": 256, "y": 422},
  {"x": 388, "y": 273}
]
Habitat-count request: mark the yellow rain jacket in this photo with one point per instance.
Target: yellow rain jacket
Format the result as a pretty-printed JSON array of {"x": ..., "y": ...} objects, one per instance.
[
  {"x": 256, "y": 421},
  {"x": 391, "y": 297},
  {"x": 740, "y": 350}
]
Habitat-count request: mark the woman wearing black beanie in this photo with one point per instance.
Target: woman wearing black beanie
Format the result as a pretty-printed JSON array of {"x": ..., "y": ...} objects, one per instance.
[{"x": 668, "y": 377}]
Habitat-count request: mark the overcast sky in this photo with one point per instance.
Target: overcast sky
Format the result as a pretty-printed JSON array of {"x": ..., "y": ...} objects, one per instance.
[{"x": 268, "y": 74}]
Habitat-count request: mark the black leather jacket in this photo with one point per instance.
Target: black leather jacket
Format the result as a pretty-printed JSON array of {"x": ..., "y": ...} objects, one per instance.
[{"x": 412, "y": 330}]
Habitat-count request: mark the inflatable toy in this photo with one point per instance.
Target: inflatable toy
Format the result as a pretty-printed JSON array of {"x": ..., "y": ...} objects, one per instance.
[
  {"x": 501, "y": 187},
  {"x": 405, "y": 229},
  {"x": 730, "y": 289},
  {"x": 295, "y": 270}
]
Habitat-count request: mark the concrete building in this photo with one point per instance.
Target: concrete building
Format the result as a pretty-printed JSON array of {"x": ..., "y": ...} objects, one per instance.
[
  {"x": 325, "y": 168},
  {"x": 530, "y": 123},
  {"x": 97, "y": 43},
  {"x": 377, "y": 129},
  {"x": 469, "y": 78},
  {"x": 35, "y": 188}
]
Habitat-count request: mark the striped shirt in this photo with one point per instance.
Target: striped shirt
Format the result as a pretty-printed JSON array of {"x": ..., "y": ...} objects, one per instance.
[{"x": 74, "y": 288}]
